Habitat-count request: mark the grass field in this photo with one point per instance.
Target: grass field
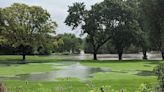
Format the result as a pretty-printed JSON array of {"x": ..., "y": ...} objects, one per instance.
[
  {"x": 125, "y": 74},
  {"x": 128, "y": 75}
]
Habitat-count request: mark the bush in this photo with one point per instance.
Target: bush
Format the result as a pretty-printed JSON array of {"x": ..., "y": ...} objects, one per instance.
[{"x": 160, "y": 73}]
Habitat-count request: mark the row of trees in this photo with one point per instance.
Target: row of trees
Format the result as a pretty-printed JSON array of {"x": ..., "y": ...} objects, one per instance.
[
  {"x": 116, "y": 23},
  {"x": 121, "y": 23}
]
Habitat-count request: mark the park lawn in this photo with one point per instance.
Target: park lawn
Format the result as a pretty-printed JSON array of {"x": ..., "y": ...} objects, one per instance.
[
  {"x": 124, "y": 75},
  {"x": 76, "y": 86},
  {"x": 123, "y": 65},
  {"x": 119, "y": 81},
  {"x": 8, "y": 59},
  {"x": 70, "y": 85},
  {"x": 16, "y": 69}
]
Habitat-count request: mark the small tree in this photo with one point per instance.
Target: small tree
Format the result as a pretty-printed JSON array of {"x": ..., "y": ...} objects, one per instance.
[{"x": 25, "y": 27}]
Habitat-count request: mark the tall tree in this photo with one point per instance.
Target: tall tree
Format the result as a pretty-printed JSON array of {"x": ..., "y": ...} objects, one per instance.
[
  {"x": 91, "y": 22},
  {"x": 26, "y": 26},
  {"x": 126, "y": 28},
  {"x": 142, "y": 40},
  {"x": 154, "y": 16}
]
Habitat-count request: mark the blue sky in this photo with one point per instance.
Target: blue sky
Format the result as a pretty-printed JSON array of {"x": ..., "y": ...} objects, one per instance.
[{"x": 57, "y": 9}]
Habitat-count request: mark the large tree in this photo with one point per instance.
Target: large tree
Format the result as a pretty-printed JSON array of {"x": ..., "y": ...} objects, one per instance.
[
  {"x": 154, "y": 17},
  {"x": 26, "y": 26},
  {"x": 122, "y": 17},
  {"x": 142, "y": 40},
  {"x": 91, "y": 23}
]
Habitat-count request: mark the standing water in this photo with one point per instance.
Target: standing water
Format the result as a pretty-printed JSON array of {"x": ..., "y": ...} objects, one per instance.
[{"x": 67, "y": 70}]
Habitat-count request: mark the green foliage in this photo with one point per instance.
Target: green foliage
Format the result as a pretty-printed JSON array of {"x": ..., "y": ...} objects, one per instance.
[
  {"x": 46, "y": 47},
  {"x": 154, "y": 17},
  {"x": 93, "y": 23},
  {"x": 107, "y": 48},
  {"x": 145, "y": 88},
  {"x": 68, "y": 43},
  {"x": 26, "y": 26},
  {"x": 109, "y": 20},
  {"x": 160, "y": 73},
  {"x": 64, "y": 86},
  {"x": 126, "y": 26}
]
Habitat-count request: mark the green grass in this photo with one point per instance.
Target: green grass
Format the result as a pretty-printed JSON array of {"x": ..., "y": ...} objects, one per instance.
[
  {"x": 16, "y": 69},
  {"x": 122, "y": 81},
  {"x": 76, "y": 86},
  {"x": 123, "y": 65},
  {"x": 8, "y": 59},
  {"x": 124, "y": 75},
  {"x": 58, "y": 86}
]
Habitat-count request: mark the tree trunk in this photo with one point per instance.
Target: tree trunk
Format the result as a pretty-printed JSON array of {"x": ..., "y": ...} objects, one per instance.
[
  {"x": 145, "y": 54},
  {"x": 95, "y": 55},
  {"x": 120, "y": 52},
  {"x": 162, "y": 53},
  {"x": 24, "y": 56},
  {"x": 119, "y": 56}
]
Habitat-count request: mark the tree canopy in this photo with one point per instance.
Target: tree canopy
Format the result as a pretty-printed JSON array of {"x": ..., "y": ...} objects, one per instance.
[
  {"x": 26, "y": 26},
  {"x": 68, "y": 43},
  {"x": 104, "y": 22},
  {"x": 154, "y": 18}
]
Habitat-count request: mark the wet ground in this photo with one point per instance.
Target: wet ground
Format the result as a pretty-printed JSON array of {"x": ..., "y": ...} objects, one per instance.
[{"x": 66, "y": 70}]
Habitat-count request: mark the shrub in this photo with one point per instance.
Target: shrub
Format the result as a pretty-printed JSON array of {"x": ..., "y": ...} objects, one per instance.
[{"x": 160, "y": 73}]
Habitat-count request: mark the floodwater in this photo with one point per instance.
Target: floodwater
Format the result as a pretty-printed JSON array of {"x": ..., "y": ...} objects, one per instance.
[
  {"x": 67, "y": 70},
  {"x": 76, "y": 70},
  {"x": 134, "y": 56}
]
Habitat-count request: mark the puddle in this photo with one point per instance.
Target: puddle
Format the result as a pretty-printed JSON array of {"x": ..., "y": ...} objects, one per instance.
[{"x": 67, "y": 70}]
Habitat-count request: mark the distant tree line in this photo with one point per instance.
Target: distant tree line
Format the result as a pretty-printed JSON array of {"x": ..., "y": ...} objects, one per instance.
[{"x": 68, "y": 43}]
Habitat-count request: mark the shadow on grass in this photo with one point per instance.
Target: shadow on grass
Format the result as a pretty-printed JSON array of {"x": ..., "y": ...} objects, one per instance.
[
  {"x": 19, "y": 61},
  {"x": 145, "y": 73},
  {"x": 122, "y": 61}
]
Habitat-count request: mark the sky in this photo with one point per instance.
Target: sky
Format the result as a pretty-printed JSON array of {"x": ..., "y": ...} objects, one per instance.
[{"x": 57, "y": 9}]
